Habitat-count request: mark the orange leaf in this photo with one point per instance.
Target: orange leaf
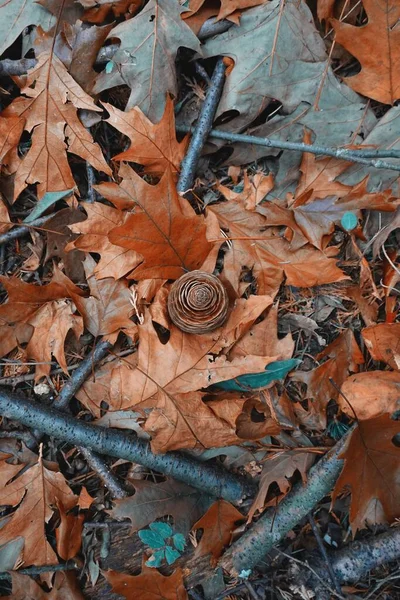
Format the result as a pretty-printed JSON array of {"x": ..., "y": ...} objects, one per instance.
[
  {"x": 371, "y": 470},
  {"x": 69, "y": 533},
  {"x": 383, "y": 343},
  {"x": 65, "y": 587},
  {"x": 218, "y": 524},
  {"x": 370, "y": 394},
  {"x": 149, "y": 585}
]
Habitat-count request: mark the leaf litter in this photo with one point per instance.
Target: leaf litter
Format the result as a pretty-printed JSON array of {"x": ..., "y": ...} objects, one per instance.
[{"x": 306, "y": 247}]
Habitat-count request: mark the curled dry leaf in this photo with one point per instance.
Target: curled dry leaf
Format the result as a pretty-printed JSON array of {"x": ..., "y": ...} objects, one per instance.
[
  {"x": 370, "y": 394},
  {"x": 198, "y": 303},
  {"x": 383, "y": 343}
]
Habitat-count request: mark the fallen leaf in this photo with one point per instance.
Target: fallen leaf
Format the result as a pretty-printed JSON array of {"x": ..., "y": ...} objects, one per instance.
[
  {"x": 149, "y": 585},
  {"x": 152, "y": 145},
  {"x": 155, "y": 231},
  {"x": 370, "y": 394},
  {"x": 49, "y": 103},
  {"x": 69, "y": 532},
  {"x": 65, "y": 587},
  {"x": 16, "y": 15},
  {"x": 11, "y": 129},
  {"x": 227, "y": 7},
  {"x": 33, "y": 494},
  {"x": 371, "y": 471},
  {"x": 376, "y": 46},
  {"x": 218, "y": 524},
  {"x": 97, "y": 11},
  {"x": 145, "y": 60},
  {"x": 155, "y": 500},
  {"x": 383, "y": 343}
]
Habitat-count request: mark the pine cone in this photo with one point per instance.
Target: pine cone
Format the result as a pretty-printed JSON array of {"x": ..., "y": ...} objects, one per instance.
[{"x": 198, "y": 302}]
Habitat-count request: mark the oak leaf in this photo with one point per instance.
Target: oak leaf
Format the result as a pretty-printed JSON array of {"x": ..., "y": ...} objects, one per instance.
[
  {"x": 49, "y": 103},
  {"x": 383, "y": 343},
  {"x": 376, "y": 45},
  {"x": 371, "y": 471},
  {"x": 153, "y": 145},
  {"x": 226, "y": 9},
  {"x": 156, "y": 500},
  {"x": 145, "y": 60},
  {"x": 34, "y": 495},
  {"x": 69, "y": 532},
  {"x": 11, "y": 129},
  {"x": 370, "y": 394},
  {"x": 97, "y": 11},
  {"x": 16, "y": 15},
  {"x": 149, "y": 585},
  {"x": 218, "y": 524},
  {"x": 65, "y": 587},
  {"x": 156, "y": 230}
]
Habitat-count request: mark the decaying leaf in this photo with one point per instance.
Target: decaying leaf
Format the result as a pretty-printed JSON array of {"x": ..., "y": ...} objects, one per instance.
[
  {"x": 371, "y": 471},
  {"x": 149, "y": 585},
  {"x": 65, "y": 587}
]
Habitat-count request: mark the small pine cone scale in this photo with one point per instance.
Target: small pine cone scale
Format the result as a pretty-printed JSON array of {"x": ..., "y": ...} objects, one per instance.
[{"x": 198, "y": 302}]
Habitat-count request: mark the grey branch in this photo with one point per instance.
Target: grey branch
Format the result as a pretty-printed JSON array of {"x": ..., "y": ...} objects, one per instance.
[{"x": 364, "y": 157}]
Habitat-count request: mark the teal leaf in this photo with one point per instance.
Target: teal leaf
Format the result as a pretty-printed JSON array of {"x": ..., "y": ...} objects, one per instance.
[
  {"x": 171, "y": 555},
  {"x": 273, "y": 372},
  {"x": 163, "y": 529},
  {"x": 349, "y": 221},
  {"x": 179, "y": 541},
  {"x": 156, "y": 560},
  {"x": 48, "y": 200},
  {"x": 151, "y": 538}
]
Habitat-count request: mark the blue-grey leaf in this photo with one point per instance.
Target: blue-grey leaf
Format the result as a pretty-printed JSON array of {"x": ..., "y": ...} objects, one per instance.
[
  {"x": 273, "y": 372},
  {"x": 171, "y": 555},
  {"x": 179, "y": 541},
  {"x": 156, "y": 560},
  {"x": 151, "y": 538},
  {"x": 48, "y": 200},
  {"x": 162, "y": 528}
]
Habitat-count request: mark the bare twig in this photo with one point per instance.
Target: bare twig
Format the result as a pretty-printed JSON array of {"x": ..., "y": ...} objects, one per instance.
[
  {"x": 324, "y": 553},
  {"x": 202, "y": 129},
  {"x": 212, "y": 480},
  {"x": 21, "y": 230},
  {"x": 273, "y": 525},
  {"x": 70, "y": 565},
  {"x": 357, "y": 156},
  {"x": 103, "y": 471}
]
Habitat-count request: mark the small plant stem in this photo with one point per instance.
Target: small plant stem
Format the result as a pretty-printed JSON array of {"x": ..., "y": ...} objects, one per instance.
[
  {"x": 202, "y": 129},
  {"x": 212, "y": 480},
  {"x": 358, "y": 156},
  {"x": 324, "y": 553},
  {"x": 273, "y": 526}
]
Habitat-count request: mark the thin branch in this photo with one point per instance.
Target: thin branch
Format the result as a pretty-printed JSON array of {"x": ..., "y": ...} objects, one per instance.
[
  {"x": 324, "y": 554},
  {"x": 98, "y": 465},
  {"x": 357, "y": 156},
  {"x": 273, "y": 525},
  {"x": 210, "y": 479},
  {"x": 202, "y": 129},
  {"x": 21, "y": 230},
  {"x": 70, "y": 565}
]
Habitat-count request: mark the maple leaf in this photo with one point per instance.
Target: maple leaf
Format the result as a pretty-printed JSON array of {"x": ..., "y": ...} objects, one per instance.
[
  {"x": 369, "y": 395},
  {"x": 65, "y": 587},
  {"x": 371, "y": 471},
  {"x": 156, "y": 500},
  {"x": 270, "y": 256},
  {"x": 49, "y": 104},
  {"x": 108, "y": 308},
  {"x": 145, "y": 60},
  {"x": 376, "y": 46},
  {"x": 149, "y": 585},
  {"x": 344, "y": 357},
  {"x": 218, "y": 524},
  {"x": 33, "y": 494},
  {"x": 279, "y": 468},
  {"x": 383, "y": 343},
  {"x": 115, "y": 261},
  {"x": 152, "y": 145},
  {"x": 18, "y": 14},
  {"x": 155, "y": 231}
]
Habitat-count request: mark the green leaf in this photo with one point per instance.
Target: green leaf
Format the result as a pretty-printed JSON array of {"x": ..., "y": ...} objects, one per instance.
[
  {"x": 151, "y": 538},
  {"x": 156, "y": 560},
  {"x": 161, "y": 528},
  {"x": 274, "y": 371},
  {"x": 48, "y": 200},
  {"x": 349, "y": 221},
  {"x": 179, "y": 541},
  {"x": 171, "y": 555}
]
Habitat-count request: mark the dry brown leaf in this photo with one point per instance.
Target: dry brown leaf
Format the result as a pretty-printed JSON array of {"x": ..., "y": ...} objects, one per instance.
[
  {"x": 376, "y": 45},
  {"x": 65, "y": 587},
  {"x": 279, "y": 468},
  {"x": 369, "y": 395},
  {"x": 371, "y": 471},
  {"x": 49, "y": 104},
  {"x": 383, "y": 343},
  {"x": 155, "y": 231},
  {"x": 11, "y": 129},
  {"x": 149, "y": 585},
  {"x": 153, "y": 145},
  {"x": 34, "y": 494},
  {"x": 69, "y": 532},
  {"x": 97, "y": 11},
  {"x": 227, "y": 7},
  {"x": 218, "y": 524}
]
